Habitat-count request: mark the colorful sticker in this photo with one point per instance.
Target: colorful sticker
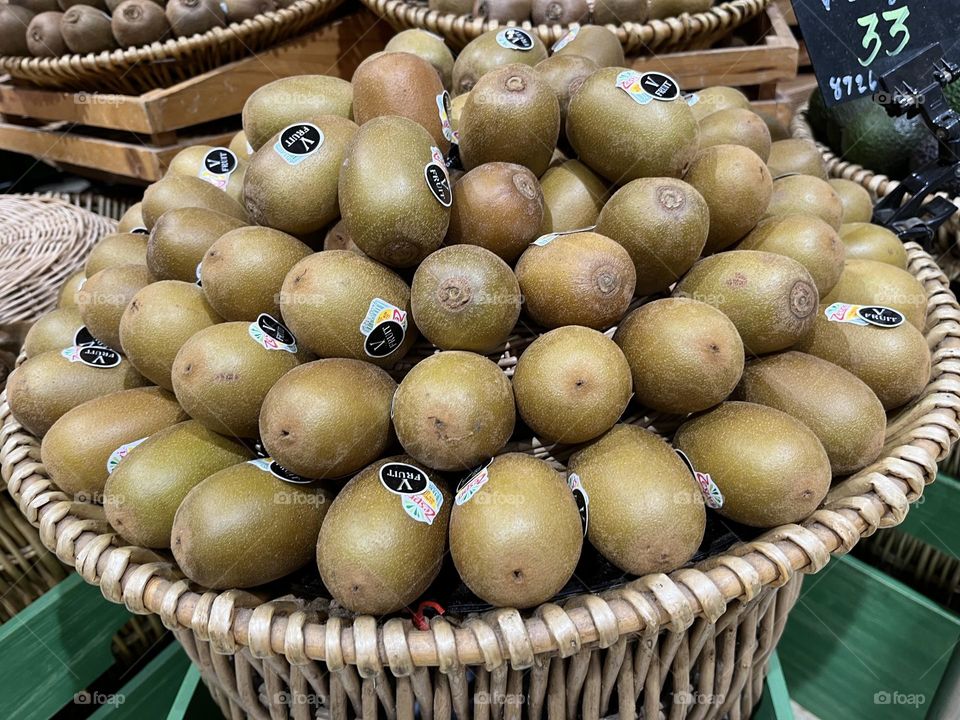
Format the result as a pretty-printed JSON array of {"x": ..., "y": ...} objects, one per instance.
[
  {"x": 272, "y": 334},
  {"x": 120, "y": 453},
  {"x": 425, "y": 506},
  {"x": 140, "y": 230},
  {"x": 582, "y": 499},
  {"x": 691, "y": 98},
  {"x": 566, "y": 39},
  {"x": 646, "y": 87},
  {"x": 712, "y": 497},
  {"x": 298, "y": 141},
  {"x": 92, "y": 355},
  {"x": 863, "y": 315},
  {"x": 514, "y": 38},
  {"x": 435, "y": 173},
  {"x": 217, "y": 167},
  {"x": 384, "y": 328},
  {"x": 550, "y": 237},
  {"x": 443, "y": 108},
  {"x": 472, "y": 486},
  {"x": 420, "y": 498}
]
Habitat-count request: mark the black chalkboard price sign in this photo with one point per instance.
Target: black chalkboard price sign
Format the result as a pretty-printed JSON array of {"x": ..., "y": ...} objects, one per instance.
[{"x": 852, "y": 43}]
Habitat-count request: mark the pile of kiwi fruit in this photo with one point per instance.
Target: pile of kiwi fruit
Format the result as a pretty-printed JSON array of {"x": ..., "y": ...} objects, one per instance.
[
  {"x": 569, "y": 12},
  {"x": 527, "y": 308},
  {"x": 52, "y": 28}
]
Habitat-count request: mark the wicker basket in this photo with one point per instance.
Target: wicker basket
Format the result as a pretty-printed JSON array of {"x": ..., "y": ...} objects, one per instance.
[
  {"x": 677, "y": 33},
  {"x": 945, "y": 249},
  {"x": 133, "y": 71},
  {"x": 694, "y": 643}
]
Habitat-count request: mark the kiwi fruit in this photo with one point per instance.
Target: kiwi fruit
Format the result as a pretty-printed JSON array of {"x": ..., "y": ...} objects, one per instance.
[
  {"x": 511, "y": 101},
  {"x": 565, "y": 74},
  {"x": 464, "y": 297},
  {"x": 104, "y": 297},
  {"x": 243, "y": 271},
  {"x": 454, "y": 410},
  {"x": 866, "y": 241},
  {"x": 869, "y": 282},
  {"x": 571, "y": 385},
  {"x": 37, "y": 6},
  {"x": 400, "y": 84},
  {"x": 685, "y": 356},
  {"x": 181, "y": 237},
  {"x": 646, "y": 513},
  {"x": 714, "y": 99},
  {"x": 390, "y": 209},
  {"x": 193, "y": 162},
  {"x": 851, "y": 426},
  {"x": 430, "y": 47},
  {"x": 117, "y": 249},
  {"x": 771, "y": 299},
  {"x": 98, "y": 4},
  {"x": 807, "y": 195},
  {"x": 623, "y": 140},
  {"x": 315, "y": 424},
  {"x": 141, "y": 496},
  {"x": 794, "y": 155},
  {"x": 76, "y": 448},
  {"x": 222, "y": 373},
  {"x": 356, "y": 570},
  {"x": 736, "y": 126},
  {"x": 503, "y": 10},
  {"x": 192, "y": 17},
  {"x": 240, "y": 147},
  {"x": 484, "y": 53},
  {"x": 240, "y": 10},
  {"x": 893, "y": 362},
  {"x": 662, "y": 223},
  {"x": 737, "y": 187},
  {"x": 158, "y": 321},
  {"x": 573, "y": 195},
  {"x": 856, "y": 201},
  {"x": 86, "y": 29},
  {"x": 505, "y": 191},
  {"x": 47, "y": 385},
  {"x": 264, "y": 524},
  {"x": 44, "y": 38},
  {"x": 14, "y": 22},
  {"x": 805, "y": 238},
  {"x": 456, "y": 110},
  {"x": 328, "y": 296},
  {"x": 457, "y": 7},
  {"x": 557, "y": 12},
  {"x": 271, "y": 108},
  {"x": 139, "y": 22},
  {"x": 67, "y": 297},
  {"x": 54, "y": 330},
  {"x": 770, "y": 467},
  {"x": 515, "y": 532},
  {"x": 131, "y": 220},
  {"x": 180, "y": 191},
  {"x": 338, "y": 239},
  {"x": 617, "y": 12},
  {"x": 577, "y": 279},
  {"x": 592, "y": 42}
]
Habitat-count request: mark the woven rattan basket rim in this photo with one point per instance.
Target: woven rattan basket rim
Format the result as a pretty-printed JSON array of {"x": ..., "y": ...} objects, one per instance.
[
  {"x": 176, "y": 50},
  {"x": 878, "y": 496},
  {"x": 675, "y": 32}
]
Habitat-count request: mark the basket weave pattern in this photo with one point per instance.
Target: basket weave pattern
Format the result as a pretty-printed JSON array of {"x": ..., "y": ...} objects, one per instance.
[
  {"x": 702, "y": 634},
  {"x": 134, "y": 71},
  {"x": 677, "y": 33}
]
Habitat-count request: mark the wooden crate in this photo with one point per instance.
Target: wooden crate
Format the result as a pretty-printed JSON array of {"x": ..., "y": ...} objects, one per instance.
[{"x": 134, "y": 137}]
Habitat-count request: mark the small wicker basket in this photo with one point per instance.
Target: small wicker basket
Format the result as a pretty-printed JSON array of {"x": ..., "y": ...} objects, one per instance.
[
  {"x": 133, "y": 71},
  {"x": 677, "y": 33},
  {"x": 693, "y": 643}
]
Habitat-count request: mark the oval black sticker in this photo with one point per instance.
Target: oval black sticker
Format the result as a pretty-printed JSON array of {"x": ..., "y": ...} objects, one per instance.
[
  {"x": 439, "y": 183},
  {"x": 881, "y": 316},
  {"x": 301, "y": 139},
  {"x": 140, "y": 230},
  {"x": 514, "y": 38},
  {"x": 384, "y": 339},
  {"x": 660, "y": 86},
  {"x": 275, "y": 329},
  {"x": 220, "y": 161},
  {"x": 84, "y": 337},
  {"x": 98, "y": 356},
  {"x": 581, "y": 500},
  {"x": 403, "y": 479},
  {"x": 287, "y": 476}
]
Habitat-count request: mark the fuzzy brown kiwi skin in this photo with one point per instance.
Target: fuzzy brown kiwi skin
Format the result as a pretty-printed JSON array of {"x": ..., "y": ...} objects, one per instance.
[
  {"x": 13, "y": 30},
  {"x": 86, "y": 30},
  {"x": 502, "y": 10},
  {"x": 560, "y": 12},
  {"x": 192, "y": 17},
  {"x": 37, "y": 6},
  {"x": 98, "y": 4},
  {"x": 112, "y": 5},
  {"x": 139, "y": 22},
  {"x": 43, "y": 35},
  {"x": 240, "y": 10}
]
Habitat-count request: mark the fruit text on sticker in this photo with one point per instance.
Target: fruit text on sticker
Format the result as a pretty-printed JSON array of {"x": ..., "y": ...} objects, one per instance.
[
  {"x": 514, "y": 38},
  {"x": 217, "y": 167},
  {"x": 298, "y": 141},
  {"x": 566, "y": 39},
  {"x": 420, "y": 498},
  {"x": 712, "y": 497},
  {"x": 582, "y": 500},
  {"x": 471, "y": 487},
  {"x": 272, "y": 334},
  {"x": 864, "y": 315},
  {"x": 435, "y": 173},
  {"x": 384, "y": 328},
  {"x": 120, "y": 453},
  {"x": 423, "y": 506},
  {"x": 644, "y": 88},
  {"x": 443, "y": 108},
  {"x": 271, "y": 466},
  {"x": 93, "y": 355}
]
